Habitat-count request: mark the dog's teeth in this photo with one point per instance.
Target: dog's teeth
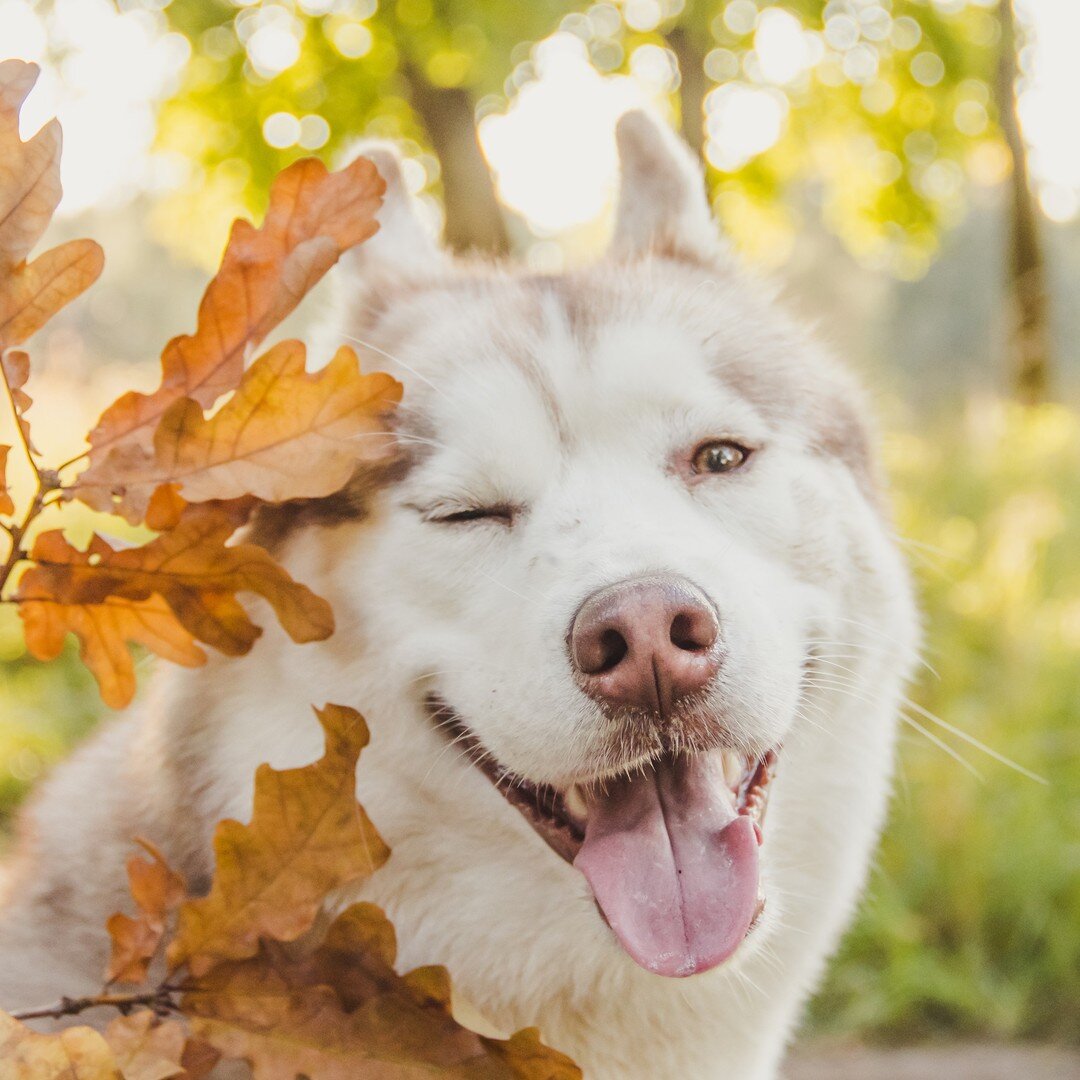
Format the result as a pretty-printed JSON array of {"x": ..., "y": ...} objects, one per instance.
[
  {"x": 734, "y": 767},
  {"x": 575, "y": 803}
]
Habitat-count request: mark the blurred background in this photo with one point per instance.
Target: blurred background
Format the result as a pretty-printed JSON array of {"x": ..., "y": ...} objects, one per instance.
[{"x": 909, "y": 169}]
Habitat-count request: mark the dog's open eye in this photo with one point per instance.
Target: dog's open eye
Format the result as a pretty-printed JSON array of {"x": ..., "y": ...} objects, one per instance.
[
  {"x": 499, "y": 515},
  {"x": 719, "y": 456}
]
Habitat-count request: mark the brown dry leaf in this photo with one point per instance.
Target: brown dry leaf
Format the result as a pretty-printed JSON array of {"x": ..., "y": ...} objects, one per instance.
[
  {"x": 76, "y": 1053},
  {"x": 165, "y": 508},
  {"x": 147, "y": 1048},
  {"x": 307, "y": 835},
  {"x": 7, "y": 507},
  {"x": 284, "y": 434},
  {"x": 314, "y": 216},
  {"x": 108, "y": 597},
  {"x": 31, "y": 293},
  {"x": 199, "y": 1059},
  {"x": 530, "y": 1059},
  {"x": 342, "y": 1011},
  {"x": 157, "y": 891}
]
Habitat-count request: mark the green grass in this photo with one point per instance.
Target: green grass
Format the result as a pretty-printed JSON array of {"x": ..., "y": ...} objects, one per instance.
[{"x": 972, "y": 925}]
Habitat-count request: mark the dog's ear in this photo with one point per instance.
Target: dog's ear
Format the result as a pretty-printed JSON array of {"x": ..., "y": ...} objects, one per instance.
[
  {"x": 662, "y": 204},
  {"x": 404, "y": 244}
]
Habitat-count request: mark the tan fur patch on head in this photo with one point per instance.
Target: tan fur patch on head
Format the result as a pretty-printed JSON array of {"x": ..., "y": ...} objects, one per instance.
[{"x": 271, "y": 526}]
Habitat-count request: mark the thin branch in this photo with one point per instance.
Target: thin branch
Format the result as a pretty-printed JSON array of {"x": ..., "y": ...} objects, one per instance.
[
  {"x": 160, "y": 1000},
  {"x": 46, "y": 480},
  {"x": 18, "y": 532}
]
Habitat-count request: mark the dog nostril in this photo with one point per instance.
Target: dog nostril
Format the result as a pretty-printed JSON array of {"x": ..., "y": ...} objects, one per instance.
[
  {"x": 692, "y": 631},
  {"x": 613, "y": 650}
]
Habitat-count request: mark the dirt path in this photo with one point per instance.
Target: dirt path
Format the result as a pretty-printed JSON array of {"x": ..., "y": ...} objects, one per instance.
[{"x": 967, "y": 1062}]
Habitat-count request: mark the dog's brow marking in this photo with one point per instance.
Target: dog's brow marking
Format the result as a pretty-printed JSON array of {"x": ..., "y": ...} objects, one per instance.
[{"x": 547, "y": 315}]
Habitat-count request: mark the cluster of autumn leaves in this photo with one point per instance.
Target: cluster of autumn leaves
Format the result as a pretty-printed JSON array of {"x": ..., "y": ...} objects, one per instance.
[
  {"x": 195, "y": 457},
  {"x": 253, "y": 970}
]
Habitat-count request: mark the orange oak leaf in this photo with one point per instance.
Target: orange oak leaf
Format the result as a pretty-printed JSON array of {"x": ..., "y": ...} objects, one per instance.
[
  {"x": 31, "y": 293},
  {"x": 29, "y": 171},
  {"x": 285, "y": 434},
  {"x": 104, "y": 630},
  {"x": 307, "y": 835},
  {"x": 313, "y": 217},
  {"x": 104, "y": 595},
  {"x": 157, "y": 891},
  {"x": 6, "y": 504},
  {"x": 76, "y": 1053},
  {"x": 147, "y": 1048},
  {"x": 342, "y": 1011}
]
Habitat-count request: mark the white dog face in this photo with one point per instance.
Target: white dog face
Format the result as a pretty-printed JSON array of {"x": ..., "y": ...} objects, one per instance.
[{"x": 636, "y": 499}]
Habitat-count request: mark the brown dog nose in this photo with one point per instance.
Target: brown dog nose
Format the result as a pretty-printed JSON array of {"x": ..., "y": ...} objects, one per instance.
[{"x": 645, "y": 642}]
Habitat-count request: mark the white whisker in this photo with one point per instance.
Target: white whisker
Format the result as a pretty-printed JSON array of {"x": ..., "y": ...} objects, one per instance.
[
  {"x": 394, "y": 360},
  {"x": 972, "y": 741}
]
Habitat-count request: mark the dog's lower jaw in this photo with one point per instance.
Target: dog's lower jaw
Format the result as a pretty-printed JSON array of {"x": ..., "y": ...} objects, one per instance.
[{"x": 473, "y": 888}]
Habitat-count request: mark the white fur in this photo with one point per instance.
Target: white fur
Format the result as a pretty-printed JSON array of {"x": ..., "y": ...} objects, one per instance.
[{"x": 579, "y": 426}]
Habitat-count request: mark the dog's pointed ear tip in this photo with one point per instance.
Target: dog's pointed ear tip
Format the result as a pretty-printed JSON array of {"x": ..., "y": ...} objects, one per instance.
[
  {"x": 636, "y": 129},
  {"x": 384, "y": 155},
  {"x": 406, "y": 240},
  {"x": 645, "y": 141}
]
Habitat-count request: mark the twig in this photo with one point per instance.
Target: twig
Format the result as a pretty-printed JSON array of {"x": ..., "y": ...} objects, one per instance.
[
  {"x": 46, "y": 481},
  {"x": 160, "y": 1000},
  {"x": 72, "y": 461},
  {"x": 17, "y": 532}
]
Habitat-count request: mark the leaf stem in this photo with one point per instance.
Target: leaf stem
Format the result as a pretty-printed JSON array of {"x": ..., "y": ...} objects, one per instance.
[
  {"x": 20, "y": 427},
  {"x": 72, "y": 461}
]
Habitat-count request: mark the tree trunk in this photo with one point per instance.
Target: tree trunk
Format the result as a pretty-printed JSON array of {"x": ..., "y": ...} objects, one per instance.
[
  {"x": 1027, "y": 301},
  {"x": 693, "y": 86},
  {"x": 474, "y": 218}
]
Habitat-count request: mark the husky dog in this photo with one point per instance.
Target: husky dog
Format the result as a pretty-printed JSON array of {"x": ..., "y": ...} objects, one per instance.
[{"x": 631, "y": 584}]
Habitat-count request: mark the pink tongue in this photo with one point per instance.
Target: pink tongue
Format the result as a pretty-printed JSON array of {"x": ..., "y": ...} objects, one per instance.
[{"x": 672, "y": 865}]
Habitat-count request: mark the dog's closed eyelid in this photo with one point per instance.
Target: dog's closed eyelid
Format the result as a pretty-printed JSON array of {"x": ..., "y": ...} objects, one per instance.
[
  {"x": 502, "y": 515},
  {"x": 457, "y": 514}
]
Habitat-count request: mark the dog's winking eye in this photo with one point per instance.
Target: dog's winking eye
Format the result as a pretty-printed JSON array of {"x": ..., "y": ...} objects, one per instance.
[
  {"x": 719, "y": 456},
  {"x": 498, "y": 515}
]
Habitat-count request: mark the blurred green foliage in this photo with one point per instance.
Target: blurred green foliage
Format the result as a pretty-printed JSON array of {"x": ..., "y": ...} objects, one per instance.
[
  {"x": 885, "y": 111},
  {"x": 882, "y": 132},
  {"x": 972, "y": 923},
  {"x": 45, "y": 709}
]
